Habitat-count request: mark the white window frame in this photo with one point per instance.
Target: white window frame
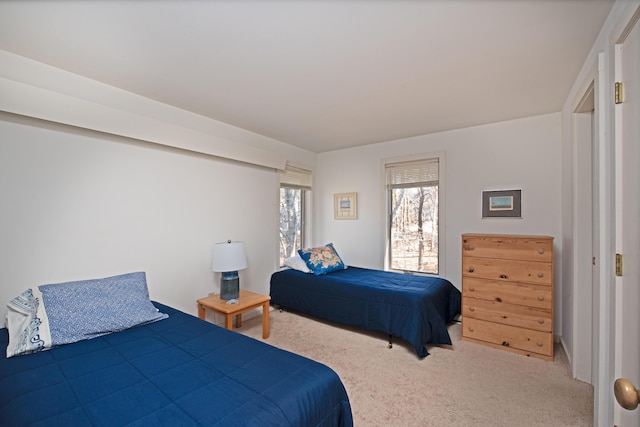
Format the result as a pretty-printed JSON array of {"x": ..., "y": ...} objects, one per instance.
[
  {"x": 386, "y": 221},
  {"x": 296, "y": 178}
]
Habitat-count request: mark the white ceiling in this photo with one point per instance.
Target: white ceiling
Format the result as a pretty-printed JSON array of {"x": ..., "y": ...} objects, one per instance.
[{"x": 322, "y": 75}]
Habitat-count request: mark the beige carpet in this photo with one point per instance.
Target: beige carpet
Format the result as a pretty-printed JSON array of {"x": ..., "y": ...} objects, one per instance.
[{"x": 461, "y": 385}]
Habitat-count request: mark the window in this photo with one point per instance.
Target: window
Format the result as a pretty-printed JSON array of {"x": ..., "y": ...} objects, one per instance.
[
  {"x": 294, "y": 185},
  {"x": 413, "y": 202}
]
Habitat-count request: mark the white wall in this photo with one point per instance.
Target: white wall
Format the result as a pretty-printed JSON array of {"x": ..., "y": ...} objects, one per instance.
[
  {"x": 520, "y": 154},
  {"x": 78, "y": 204}
]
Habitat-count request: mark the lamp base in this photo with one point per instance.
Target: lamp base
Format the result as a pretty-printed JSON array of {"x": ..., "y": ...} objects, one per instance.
[{"x": 229, "y": 285}]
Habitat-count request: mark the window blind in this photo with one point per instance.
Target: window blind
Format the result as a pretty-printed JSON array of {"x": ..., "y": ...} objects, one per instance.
[
  {"x": 293, "y": 177},
  {"x": 420, "y": 173}
]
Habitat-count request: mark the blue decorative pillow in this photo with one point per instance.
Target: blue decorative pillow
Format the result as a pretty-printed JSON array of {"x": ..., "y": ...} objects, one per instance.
[{"x": 322, "y": 260}]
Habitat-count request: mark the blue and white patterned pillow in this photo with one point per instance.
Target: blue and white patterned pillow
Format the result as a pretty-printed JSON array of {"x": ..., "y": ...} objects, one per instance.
[
  {"x": 322, "y": 260},
  {"x": 63, "y": 313},
  {"x": 90, "y": 308},
  {"x": 27, "y": 324}
]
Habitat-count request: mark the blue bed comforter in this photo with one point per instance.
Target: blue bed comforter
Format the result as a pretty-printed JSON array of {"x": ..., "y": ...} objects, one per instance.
[
  {"x": 415, "y": 308},
  {"x": 180, "y": 371}
]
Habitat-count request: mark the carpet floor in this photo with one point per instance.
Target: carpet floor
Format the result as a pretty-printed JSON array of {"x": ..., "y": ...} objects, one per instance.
[{"x": 460, "y": 385}]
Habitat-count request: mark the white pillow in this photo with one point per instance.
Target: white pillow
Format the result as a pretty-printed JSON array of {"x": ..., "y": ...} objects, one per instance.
[{"x": 297, "y": 263}]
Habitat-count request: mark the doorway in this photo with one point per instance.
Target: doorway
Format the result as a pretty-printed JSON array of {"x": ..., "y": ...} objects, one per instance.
[{"x": 585, "y": 284}]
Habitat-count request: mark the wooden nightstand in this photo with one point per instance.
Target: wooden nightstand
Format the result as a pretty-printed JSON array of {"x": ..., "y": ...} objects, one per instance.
[{"x": 246, "y": 301}]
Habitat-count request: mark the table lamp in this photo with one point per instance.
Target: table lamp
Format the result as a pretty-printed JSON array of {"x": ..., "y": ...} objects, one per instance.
[{"x": 228, "y": 258}]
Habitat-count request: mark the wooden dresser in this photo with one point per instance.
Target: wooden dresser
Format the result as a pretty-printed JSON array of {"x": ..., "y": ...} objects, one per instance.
[{"x": 507, "y": 292}]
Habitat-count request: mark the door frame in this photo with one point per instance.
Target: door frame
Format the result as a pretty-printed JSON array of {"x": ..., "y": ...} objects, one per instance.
[
  {"x": 605, "y": 409},
  {"x": 626, "y": 240}
]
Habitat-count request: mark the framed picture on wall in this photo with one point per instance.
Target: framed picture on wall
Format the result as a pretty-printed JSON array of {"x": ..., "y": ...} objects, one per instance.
[
  {"x": 502, "y": 204},
  {"x": 345, "y": 206}
]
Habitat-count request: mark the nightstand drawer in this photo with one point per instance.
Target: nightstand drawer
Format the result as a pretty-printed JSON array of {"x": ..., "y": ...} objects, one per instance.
[{"x": 507, "y": 314}]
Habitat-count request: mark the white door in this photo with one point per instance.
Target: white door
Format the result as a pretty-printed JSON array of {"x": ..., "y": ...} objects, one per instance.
[{"x": 627, "y": 317}]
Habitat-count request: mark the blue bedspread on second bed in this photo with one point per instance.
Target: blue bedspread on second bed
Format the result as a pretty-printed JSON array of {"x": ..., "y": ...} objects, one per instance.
[{"x": 413, "y": 307}]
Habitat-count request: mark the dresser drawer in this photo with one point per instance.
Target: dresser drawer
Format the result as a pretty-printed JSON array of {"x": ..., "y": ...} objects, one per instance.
[
  {"x": 500, "y": 269},
  {"x": 538, "y": 296},
  {"x": 531, "y": 248},
  {"x": 508, "y": 336},
  {"x": 508, "y": 314}
]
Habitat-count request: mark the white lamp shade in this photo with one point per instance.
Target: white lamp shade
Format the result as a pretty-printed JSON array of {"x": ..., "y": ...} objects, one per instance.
[{"x": 229, "y": 256}]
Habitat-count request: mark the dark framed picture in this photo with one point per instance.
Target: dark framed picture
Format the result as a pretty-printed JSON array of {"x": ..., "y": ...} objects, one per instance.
[{"x": 502, "y": 204}]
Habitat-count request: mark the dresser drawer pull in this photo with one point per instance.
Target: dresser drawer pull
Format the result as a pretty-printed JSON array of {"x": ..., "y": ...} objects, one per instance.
[
  {"x": 540, "y": 298},
  {"x": 505, "y": 343},
  {"x": 540, "y": 274},
  {"x": 471, "y": 289},
  {"x": 540, "y": 251},
  {"x": 472, "y": 309},
  {"x": 503, "y": 276},
  {"x": 471, "y": 329},
  {"x": 471, "y": 269},
  {"x": 541, "y": 321},
  {"x": 539, "y": 344}
]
